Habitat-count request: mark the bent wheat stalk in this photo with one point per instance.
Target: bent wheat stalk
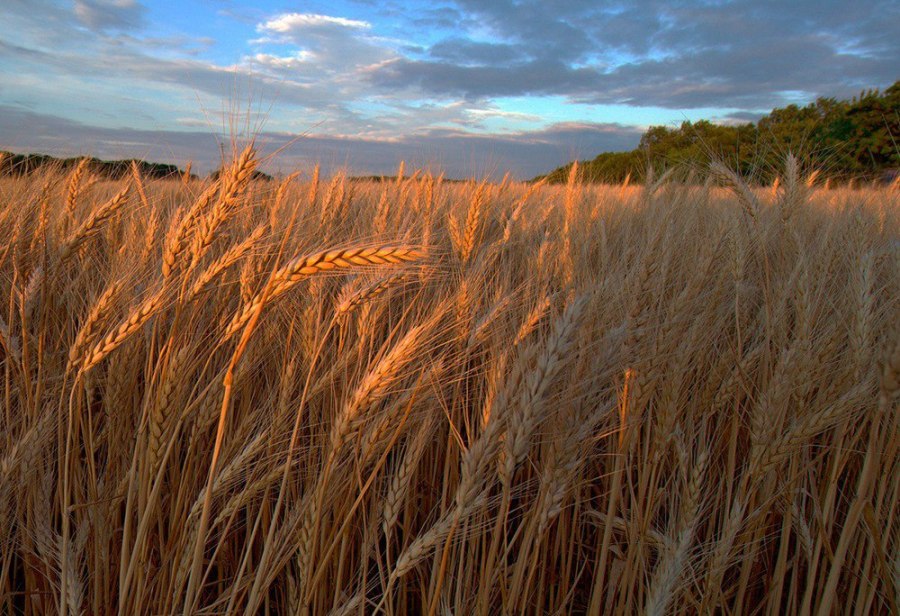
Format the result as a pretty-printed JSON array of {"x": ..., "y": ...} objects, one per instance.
[{"x": 301, "y": 268}]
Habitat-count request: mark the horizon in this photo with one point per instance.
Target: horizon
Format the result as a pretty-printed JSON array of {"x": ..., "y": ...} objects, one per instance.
[{"x": 470, "y": 89}]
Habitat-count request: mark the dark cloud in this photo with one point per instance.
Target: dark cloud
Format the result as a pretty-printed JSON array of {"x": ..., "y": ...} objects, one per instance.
[
  {"x": 466, "y": 52},
  {"x": 539, "y": 29},
  {"x": 456, "y": 152},
  {"x": 17, "y": 52},
  {"x": 110, "y": 14},
  {"x": 443, "y": 17},
  {"x": 678, "y": 55},
  {"x": 26, "y": 131},
  {"x": 450, "y": 79}
]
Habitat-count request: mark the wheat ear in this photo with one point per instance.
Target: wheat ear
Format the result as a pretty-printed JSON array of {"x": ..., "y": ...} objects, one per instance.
[
  {"x": 228, "y": 258},
  {"x": 93, "y": 224},
  {"x": 160, "y": 412},
  {"x": 89, "y": 331},
  {"x": 236, "y": 181},
  {"x": 73, "y": 188},
  {"x": 126, "y": 328},
  {"x": 533, "y": 388},
  {"x": 301, "y": 268},
  {"x": 745, "y": 196},
  {"x": 350, "y": 299},
  {"x": 181, "y": 228},
  {"x": 139, "y": 184}
]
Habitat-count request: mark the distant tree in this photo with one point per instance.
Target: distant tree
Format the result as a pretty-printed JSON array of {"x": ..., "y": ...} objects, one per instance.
[
  {"x": 22, "y": 164},
  {"x": 858, "y": 138},
  {"x": 257, "y": 175}
]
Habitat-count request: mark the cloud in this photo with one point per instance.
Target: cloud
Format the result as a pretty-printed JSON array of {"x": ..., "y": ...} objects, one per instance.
[
  {"x": 104, "y": 15},
  {"x": 456, "y": 152},
  {"x": 739, "y": 117},
  {"x": 338, "y": 104},
  {"x": 124, "y": 68},
  {"x": 322, "y": 47},
  {"x": 444, "y": 17},
  {"x": 447, "y": 79},
  {"x": 467, "y": 52},
  {"x": 677, "y": 55},
  {"x": 289, "y": 23}
]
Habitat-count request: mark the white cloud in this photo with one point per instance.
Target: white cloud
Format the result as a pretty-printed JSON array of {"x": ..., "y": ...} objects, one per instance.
[
  {"x": 326, "y": 47},
  {"x": 297, "y": 60},
  {"x": 292, "y": 22},
  {"x": 492, "y": 112}
]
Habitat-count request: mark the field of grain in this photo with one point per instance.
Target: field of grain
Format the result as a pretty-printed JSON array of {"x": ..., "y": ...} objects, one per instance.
[{"x": 328, "y": 396}]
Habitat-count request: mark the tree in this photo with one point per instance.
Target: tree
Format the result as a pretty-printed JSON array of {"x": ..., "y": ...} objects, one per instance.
[{"x": 844, "y": 139}]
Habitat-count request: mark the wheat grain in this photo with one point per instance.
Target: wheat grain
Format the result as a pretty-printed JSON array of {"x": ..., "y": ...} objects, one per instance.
[
  {"x": 138, "y": 317},
  {"x": 74, "y": 187},
  {"x": 93, "y": 224},
  {"x": 301, "y": 268}
]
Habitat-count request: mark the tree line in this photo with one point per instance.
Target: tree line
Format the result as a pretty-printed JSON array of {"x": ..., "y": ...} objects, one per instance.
[
  {"x": 855, "y": 139},
  {"x": 23, "y": 164}
]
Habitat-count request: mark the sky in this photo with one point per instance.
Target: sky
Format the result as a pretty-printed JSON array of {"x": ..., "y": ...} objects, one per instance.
[{"x": 467, "y": 87}]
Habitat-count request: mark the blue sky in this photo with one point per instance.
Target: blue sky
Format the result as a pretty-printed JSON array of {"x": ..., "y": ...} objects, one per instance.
[{"x": 469, "y": 86}]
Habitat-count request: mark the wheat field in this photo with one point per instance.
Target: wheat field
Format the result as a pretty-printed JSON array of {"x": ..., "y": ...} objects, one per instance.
[{"x": 333, "y": 396}]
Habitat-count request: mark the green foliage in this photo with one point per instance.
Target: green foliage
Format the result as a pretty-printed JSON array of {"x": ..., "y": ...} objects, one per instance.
[{"x": 857, "y": 138}]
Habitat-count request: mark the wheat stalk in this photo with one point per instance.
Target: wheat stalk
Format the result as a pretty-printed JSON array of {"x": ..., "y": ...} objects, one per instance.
[
  {"x": 93, "y": 224},
  {"x": 350, "y": 299},
  {"x": 301, "y": 268},
  {"x": 73, "y": 187},
  {"x": 228, "y": 258},
  {"x": 533, "y": 387},
  {"x": 180, "y": 229},
  {"x": 233, "y": 184},
  {"x": 138, "y": 317},
  {"x": 90, "y": 329}
]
